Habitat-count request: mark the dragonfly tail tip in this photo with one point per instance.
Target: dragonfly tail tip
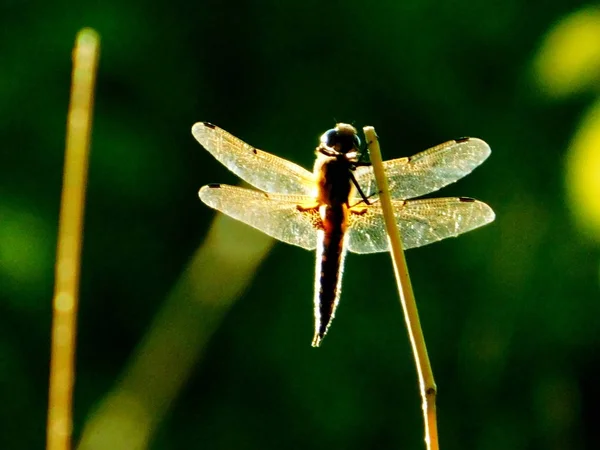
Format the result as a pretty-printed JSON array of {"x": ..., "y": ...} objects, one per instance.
[{"x": 316, "y": 342}]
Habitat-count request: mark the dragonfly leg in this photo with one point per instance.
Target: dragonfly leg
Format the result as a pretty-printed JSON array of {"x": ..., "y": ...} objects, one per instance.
[
  {"x": 360, "y": 191},
  {"x": 307, "y": 207},
  {"x": 312, "y": 209}
]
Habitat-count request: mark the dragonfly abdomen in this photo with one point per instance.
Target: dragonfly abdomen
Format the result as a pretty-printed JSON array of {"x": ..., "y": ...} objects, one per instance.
[{"x": 331, "y": 252}]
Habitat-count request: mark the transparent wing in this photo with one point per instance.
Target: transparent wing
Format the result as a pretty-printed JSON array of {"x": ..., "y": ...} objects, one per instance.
[
  {"x": 427, "y": 171},
  {"x": 273, "y": 214},
  {"x": 420, "y": 221},
  {"x": 262, "y": 170}
]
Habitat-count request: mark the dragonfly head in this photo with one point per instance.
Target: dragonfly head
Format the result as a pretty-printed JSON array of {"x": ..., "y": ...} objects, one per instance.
[{"x": 342, "y": 138}]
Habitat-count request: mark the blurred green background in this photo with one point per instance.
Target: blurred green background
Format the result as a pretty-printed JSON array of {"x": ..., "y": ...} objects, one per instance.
[{"x": 510, "y": 311}]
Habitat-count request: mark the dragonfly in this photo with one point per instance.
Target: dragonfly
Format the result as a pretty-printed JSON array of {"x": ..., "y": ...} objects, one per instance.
[{"x": 335, "y": 208}]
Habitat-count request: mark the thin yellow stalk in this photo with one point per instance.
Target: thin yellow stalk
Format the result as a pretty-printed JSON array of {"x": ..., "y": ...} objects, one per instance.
[
  {"x": 68, "y": 258},
  {"x": 407, "y": 297}
]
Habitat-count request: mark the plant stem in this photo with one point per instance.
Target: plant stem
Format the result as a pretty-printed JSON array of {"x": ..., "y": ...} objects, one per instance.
[
  {"x": 68, "y": 257},
  {"x": 407, "y": 297}
]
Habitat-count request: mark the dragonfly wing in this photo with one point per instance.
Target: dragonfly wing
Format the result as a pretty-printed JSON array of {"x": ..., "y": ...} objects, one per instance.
[
  {"x": 276, "y": 215},
  {"x": 427, "y": 171},
  {"x": 262, "y": 170},
  {"x": 421, "y": 222}
]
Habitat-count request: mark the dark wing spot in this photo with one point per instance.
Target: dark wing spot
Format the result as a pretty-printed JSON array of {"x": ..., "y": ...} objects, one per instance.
[
  {"x": 359, "y": 212},
  {"x": 209, "y": 125},
  {"x": 466, "y": 199},
  {"x": 254, "y": 150},
  {"x": 462, "y": 139},
  {"x": 214, "y": 186}
]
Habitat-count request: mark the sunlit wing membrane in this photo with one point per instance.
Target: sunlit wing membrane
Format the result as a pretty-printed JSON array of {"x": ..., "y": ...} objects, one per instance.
[
  {"x": 273, "y": 214},
  {"x": 262, "y": 170},
  {"x": 427, "y": 171},
  {"x": 421, "y": 222}
]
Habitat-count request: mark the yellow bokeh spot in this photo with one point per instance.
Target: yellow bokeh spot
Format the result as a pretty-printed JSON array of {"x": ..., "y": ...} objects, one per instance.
[
  {"x": 569, "y": 58},
  {"x": 583, "y": 173}
]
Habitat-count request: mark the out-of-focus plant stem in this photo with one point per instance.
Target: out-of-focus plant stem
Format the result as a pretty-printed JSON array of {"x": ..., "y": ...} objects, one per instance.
[{"x": 70, "y": 235}]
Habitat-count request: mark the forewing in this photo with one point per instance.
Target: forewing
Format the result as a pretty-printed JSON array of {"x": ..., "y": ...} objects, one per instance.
[
  {"x": 262, "y": 170},
  {"x": 421, "y": 222},
  {"x": 427, "y": 171},
  {"x": 279, "y": 216}
]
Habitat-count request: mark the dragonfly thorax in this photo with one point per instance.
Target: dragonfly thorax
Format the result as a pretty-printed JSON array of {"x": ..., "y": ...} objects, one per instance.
[{"x": 333, "y": 179}]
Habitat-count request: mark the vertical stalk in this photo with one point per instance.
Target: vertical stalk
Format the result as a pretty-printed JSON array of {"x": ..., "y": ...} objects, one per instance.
[
  {"x": 407, "y": 297},
  {"x": 68, "y": 258}
]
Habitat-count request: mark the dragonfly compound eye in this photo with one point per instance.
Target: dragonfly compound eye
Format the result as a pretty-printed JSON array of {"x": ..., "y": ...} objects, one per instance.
[
  {"x": 343, "y": 138},
  {"x": 330, "y": 137}
]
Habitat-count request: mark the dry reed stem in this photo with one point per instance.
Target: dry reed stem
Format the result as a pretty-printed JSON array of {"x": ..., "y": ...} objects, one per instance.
[
  {"x": 407, "y": 298},
  {"x": 70, "y": 227}
]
